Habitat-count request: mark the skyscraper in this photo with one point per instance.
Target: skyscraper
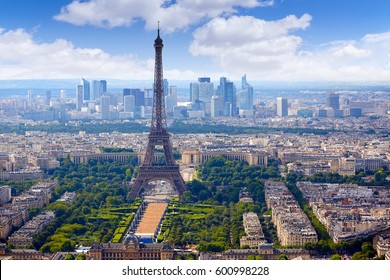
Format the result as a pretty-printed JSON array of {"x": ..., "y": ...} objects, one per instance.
[
  {"x": 173, "y": 93},
  {"x": 216, "y": 106},
  {"x": 30, "y": 98},
  {"x": 201, "y": 93},
  {"x": 166, "y": 87},
  {"x": 105, "y": 107},
  {"x": 206, "y": 90},
  {"x": 228, "y": 92},
  {"x": 168, "y": 103},
  {"x": 204, "y": 80},
  {"x": 245, "y": 95},
  {"x": 99, "y": 88},
  {"x": 129, "y": 103},
  {"x": 48, "y": 97},
  {"x": 282, "y": 107},
  {"x": 79, "y": 97},
  {"x": 333, "y": 100},
  {"x": 138, "y": 94},
  {"x": 63, "y": 95},
  {"x": 86, "y": 89},
  {"x": 194, "y": 92}
]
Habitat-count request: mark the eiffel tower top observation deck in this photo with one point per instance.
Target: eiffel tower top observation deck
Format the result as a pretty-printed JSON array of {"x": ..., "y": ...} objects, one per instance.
[{"x": 165, "y": 169}]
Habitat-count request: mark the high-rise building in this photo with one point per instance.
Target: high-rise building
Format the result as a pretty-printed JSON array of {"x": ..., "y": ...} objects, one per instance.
[
  {"x": 206, "y": 90},
  {"x": 245, "y": 95},
  {"x": 322, "y": 113},
  {"x": 30, "y": 98},
  {"x": 129, "y": 103},
  {"x": 99, "y": 88},
  {"x": 48, "y": 97},
  {"x": 194, "y": 92},
  {"x": 355, "y": 112},
  {"x": 201, "y": 93},
  {"x": 333, "y": 100},
  {"x": 173, "y": 93},
  {"x": 216, "y": 106},
  {"x": 63, "y": 95},
  {"x": 204, "y": 80},
  {"x": 105, "y": 107},
  {"x": 282, "y": 107},
  {"x": 227, "y": 90},
  {"x": 168, "y": 103},
  {"x": 79, "y": 97},
  {"x": 86, "y": 89},
  {"x": 166, "y": 87},
  {"x": 138, "y": 94}
]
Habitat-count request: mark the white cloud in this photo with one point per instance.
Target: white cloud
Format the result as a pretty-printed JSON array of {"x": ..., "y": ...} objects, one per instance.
[
  {"x": 377, "y": 38},
  {"x": 22, "y": 57},
  {"x": 350, "y": 51},
  {"x": 173, "y": 15},
  {"x": 269, "y": 50}
]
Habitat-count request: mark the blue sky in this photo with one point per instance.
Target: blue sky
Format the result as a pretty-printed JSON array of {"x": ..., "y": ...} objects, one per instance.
[{"x": 280, "y": 40}]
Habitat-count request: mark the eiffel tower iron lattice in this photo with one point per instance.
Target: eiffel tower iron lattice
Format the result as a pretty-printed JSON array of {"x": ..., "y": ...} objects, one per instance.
[{"x": 151, "y": 169}]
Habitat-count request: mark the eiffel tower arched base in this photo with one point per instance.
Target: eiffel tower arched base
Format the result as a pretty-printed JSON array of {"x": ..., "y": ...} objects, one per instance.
[{"x": 151, "y": 173}]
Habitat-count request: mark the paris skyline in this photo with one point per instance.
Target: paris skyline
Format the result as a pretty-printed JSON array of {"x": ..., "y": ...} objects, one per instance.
[{"x": 268, "y": 40}]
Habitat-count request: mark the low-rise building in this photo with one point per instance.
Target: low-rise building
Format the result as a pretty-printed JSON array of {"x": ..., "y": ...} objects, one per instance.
[
  {"x": 24, "y": 236},
  {"x": 383, "y": 244},
  {"x": 20, "y": 254},
  {"x": 68, "y": 197},
  {"x": 5, "y": 227},
  {"x": 349, "y": 211},
  {"x": 5, "y": 194},
  {"x": 197, "y": 157},
  {"x": 266, "y": 252},
  {"x": 293, "y": 226},
  {"x": 254, "y": 232},
  {"x": 131, "y": 249}
]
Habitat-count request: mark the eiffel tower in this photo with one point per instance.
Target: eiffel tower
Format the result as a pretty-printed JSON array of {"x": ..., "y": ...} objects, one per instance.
[{"x": 151, "y": 169}]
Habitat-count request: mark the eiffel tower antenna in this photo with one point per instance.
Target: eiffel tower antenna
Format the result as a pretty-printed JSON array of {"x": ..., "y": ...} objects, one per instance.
[{"x": 152, "y": 169}]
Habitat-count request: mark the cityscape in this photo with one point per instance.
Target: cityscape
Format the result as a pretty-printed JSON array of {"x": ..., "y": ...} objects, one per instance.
[{"x": 212, "y": 165}]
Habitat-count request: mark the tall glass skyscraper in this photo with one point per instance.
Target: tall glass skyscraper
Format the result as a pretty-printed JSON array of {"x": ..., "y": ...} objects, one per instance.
[
  {"x": 333, "y": 100},
  {"x": 282, "y": 107},
  {"x": 79, "y": 97},
  {"x": 245, "y": 95},
  {"x": 227, "y": 90},
  {"x": 99, "y": 88},
  {"x": 105, "y": 107},
  {"x": 86, "y": 89}
]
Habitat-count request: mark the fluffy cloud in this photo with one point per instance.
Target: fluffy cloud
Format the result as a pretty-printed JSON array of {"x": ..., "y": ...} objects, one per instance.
[
  {"x": 23, "y": 58},
  {"x": 243, "y": 44},
  {"x": 351, "y": 51},
  {"x": 270, "y": 50},
  {"x": 173, "y": 15}
]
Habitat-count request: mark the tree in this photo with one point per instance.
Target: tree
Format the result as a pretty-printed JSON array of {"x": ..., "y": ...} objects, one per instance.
[
  {"x": 81, "y": 257},
  {"x": 283, "y": 257},
  {"x": 45, "y": 248},
  {"x": 359, "y": 256},
  {"x": 67, "y": 246},
  {"x": 335, "y": 257},
  {"x": 191, "y": 256},
  {"x": 69, "y": 256},
  {"x": 254, "y": 257},
  {"x": 368, "y": 250}
]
